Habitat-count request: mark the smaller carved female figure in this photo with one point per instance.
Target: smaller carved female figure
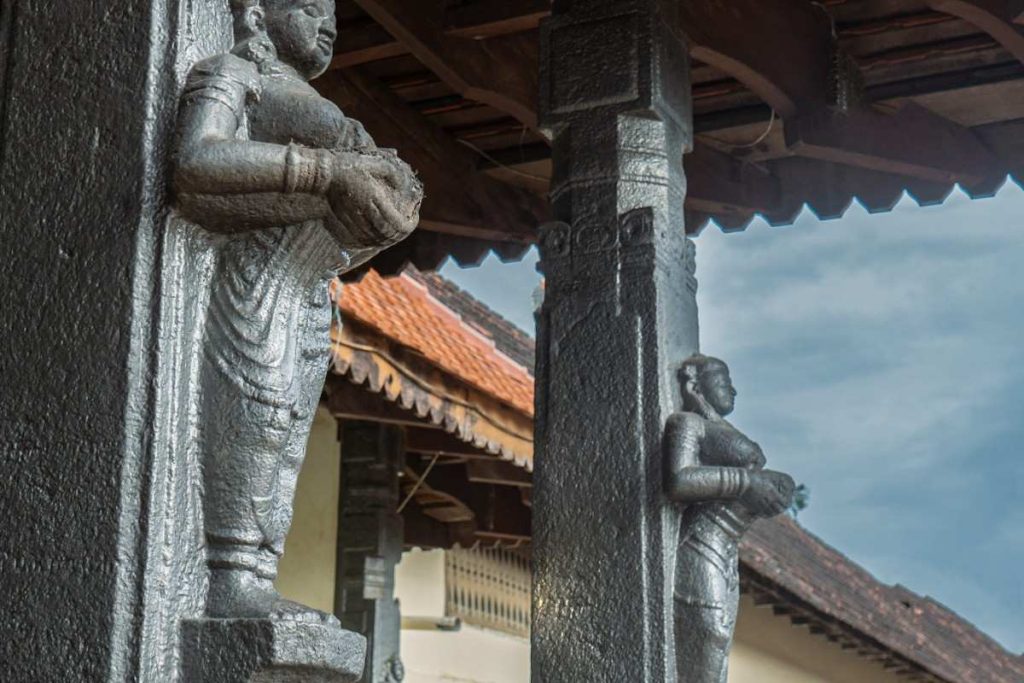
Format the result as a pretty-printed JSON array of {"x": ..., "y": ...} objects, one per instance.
[
  {"x": 718, "y": 473},
  {"x": 298, "y": 192}
]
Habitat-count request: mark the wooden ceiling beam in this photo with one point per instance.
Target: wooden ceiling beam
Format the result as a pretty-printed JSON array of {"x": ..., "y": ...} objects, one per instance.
[
  {"x": 476, "y": 69},
  {"x": 367, "y": 42},
  {"x": 459, "y": 199},
  {"x": 717, "y": 183},
  {"x": 494, "y": 471},
  {"x": 994, "y": 17},
  {"x": 361, "y": 45},
  {"x": 347, "y": 401},
  {"x": 498, "y": 511},
  {"x": 433, "y": 442},
  {"x": 488, "y": 19},
  {"x": 782, "y": 51},
  {"x": 913, "y": 142}
]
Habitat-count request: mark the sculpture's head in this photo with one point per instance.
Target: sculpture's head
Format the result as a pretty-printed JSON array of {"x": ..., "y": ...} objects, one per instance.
[
  {"x": 706, "y": 382},
  {"x": 299, "y": 33}
]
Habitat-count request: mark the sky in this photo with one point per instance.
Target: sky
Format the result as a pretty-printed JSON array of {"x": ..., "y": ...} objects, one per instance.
[{"x": 878, "y": 359}]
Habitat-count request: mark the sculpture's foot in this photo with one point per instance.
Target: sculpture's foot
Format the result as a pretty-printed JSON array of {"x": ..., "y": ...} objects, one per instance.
[
  {"x": 241, "y": 594},
  {"x": 286, "y": 610}
]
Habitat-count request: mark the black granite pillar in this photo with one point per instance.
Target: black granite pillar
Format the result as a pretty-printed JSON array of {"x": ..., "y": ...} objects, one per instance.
[
  {"x": 619, "y": 316},
  {"x": 97, "y": 549},
  {"x": 370, "y": 542}
]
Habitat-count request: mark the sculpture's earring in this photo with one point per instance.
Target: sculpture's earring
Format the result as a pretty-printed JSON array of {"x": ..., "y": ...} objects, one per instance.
[
  {"x": 262, "y": 52},
  {"x": 691, "y": 378}
]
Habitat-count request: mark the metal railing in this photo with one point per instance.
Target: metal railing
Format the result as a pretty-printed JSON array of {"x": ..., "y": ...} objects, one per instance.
[{"x": 488, "y": 587}]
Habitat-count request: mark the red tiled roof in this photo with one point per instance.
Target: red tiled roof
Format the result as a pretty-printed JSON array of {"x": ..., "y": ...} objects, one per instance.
[
  {"x": 837, "y": 590},
  {"x": 402, "y": 309}
]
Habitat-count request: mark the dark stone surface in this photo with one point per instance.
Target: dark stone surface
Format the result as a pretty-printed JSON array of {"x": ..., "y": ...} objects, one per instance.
[
  {"x": 88, "y": 92},
  {"x": 105, "y": 292},
  {"x": 289, "y": 192},
  {"x": 619, "y": 315},
  {"x": 269, "y": 651},
  {"x": 717, "y": 473}
]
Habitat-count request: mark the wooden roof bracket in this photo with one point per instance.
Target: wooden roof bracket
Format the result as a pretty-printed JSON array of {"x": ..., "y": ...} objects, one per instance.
[{"x": 792, "y": 37}]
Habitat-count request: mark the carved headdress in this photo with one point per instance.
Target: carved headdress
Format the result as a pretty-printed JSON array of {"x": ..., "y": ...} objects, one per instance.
[{"x": 252, "y": 42}]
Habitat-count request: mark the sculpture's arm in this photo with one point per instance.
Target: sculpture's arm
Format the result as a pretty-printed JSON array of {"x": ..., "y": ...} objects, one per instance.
[
  {"x": 686, "y": 479},
  {"x": 228, "y": 184},
  {"x": 212, "y": 161},
  {"x": 703, "y": 484}
]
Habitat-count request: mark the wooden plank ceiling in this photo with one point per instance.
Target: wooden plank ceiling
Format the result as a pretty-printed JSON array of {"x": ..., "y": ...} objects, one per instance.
[{"x": 452, "y": 85}]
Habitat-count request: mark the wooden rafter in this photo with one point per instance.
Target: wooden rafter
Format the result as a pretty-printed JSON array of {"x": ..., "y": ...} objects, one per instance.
[
  {"x": 787, "y": 34},
  {"x": 906, "y": 142},
  {"x": 346, "y": 401},
  {"x": 494, "y": 471},
  {"x": 476, "y": 69},
  {"x": 459, "y": 199},
  {"x": 459, "y": 42},
  {"x": 368, "y": 44},
  {"x": 434, "y": 441},
  {"x": 994, "y": 17},
  {"x": 488, "y": 19},
  {"x": 475, "y": 22}
]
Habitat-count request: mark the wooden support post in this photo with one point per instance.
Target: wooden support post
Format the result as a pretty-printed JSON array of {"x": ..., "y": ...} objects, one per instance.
[
  {"x": 370, "y": 542},
  {"x": 619, "y": 316}
]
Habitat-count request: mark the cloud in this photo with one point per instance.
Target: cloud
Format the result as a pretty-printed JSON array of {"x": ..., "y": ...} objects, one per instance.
[{"x": 879, "y": 359}]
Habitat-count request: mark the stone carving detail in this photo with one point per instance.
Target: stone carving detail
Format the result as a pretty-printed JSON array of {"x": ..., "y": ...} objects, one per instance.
[
  {"x": 294, "y": 192},
  {"x": 718, "y": 473}
]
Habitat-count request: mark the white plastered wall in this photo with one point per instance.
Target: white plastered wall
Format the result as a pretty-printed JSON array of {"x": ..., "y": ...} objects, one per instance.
[
  {"x": 470, "y": 655},
  {"x": 306, "y": 574}
]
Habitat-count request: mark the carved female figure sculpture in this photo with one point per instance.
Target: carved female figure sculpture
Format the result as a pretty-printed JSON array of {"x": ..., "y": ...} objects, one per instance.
[
  {"x": 298, "y": 192},
  {"x": 718, "y": 473}
]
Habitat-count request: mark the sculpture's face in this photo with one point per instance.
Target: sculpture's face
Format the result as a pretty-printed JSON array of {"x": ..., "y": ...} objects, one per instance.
[
  {"x": 716, "y": 386},
  {"x": 303, "y": 32}
]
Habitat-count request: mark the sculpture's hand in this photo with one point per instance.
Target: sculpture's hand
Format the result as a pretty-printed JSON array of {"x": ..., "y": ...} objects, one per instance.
[
  {"x": 757, "y": 458},
  {"x": 770, "y": 493},
  {"x": 375, "y": 198}
]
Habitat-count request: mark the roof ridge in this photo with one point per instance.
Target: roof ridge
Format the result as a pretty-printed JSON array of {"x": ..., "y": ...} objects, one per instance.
[{"x": 509, "y": 339}]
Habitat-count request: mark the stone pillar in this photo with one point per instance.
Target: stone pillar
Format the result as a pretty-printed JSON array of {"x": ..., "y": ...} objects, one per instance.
[
  {"x": 97, "y": 546},
  {"x": 370, "y": 543},
  {"x": 102, "y": 562},
  {"x": 619, "y": 317}
]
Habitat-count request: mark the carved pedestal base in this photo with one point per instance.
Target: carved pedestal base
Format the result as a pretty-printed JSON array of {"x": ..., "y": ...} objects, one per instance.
[{"x": 244, "y": 650}]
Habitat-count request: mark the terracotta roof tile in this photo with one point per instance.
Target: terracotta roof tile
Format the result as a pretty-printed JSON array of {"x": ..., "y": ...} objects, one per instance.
[
  {"x": 403, "y": 309},
  {"x": 508, "y": 338},
  {"x": 918, "y": 628}
]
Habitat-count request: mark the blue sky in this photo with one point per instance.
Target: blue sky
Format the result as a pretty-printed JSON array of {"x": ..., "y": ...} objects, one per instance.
[{"x": 879, "y": 360}]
